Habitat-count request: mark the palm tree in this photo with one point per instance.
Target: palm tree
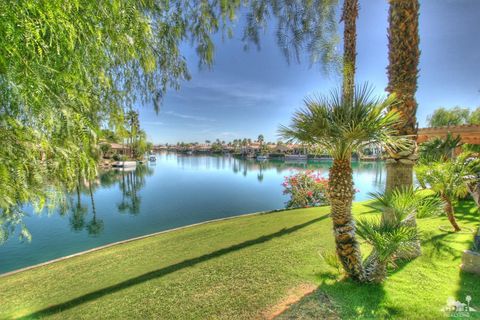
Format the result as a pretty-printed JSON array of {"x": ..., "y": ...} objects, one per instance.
[
  {"x": 77, "y": 219},
  {"x": 341, "y": 127},
  {"x": 438, "y": 149},
  {"x": 132, "y": 124},
  {"x": 450, "y": 180},
  {"x": 95, "y": 226},
  {"x": 260, "y": 139},
  {"x": 388, "y": 238},
  {"x": 405, "y": 205},
  {"x": 403, "y": 55}
]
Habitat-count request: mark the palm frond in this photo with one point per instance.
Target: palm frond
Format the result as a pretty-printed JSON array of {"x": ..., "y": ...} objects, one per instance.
[
  {"x": 407, "y": 202},
  {"x": 449, "y": 178},
  {"x": 387, "y": 238},
  {"x": 342, "y": 127}
]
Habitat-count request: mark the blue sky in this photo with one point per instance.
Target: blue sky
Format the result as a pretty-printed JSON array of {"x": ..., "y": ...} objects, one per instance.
[{"x": 251, "y": 92}]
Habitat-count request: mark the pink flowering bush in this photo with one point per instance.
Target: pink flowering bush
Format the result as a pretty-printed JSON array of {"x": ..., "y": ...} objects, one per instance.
[{"x": 306, "y": 189}]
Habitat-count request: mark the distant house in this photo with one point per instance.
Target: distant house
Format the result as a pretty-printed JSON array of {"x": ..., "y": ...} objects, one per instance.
[
  {"x": 202, "y": 147},
  {"x": 371, "y": 151},
  {"x": 116, "y": 148}
]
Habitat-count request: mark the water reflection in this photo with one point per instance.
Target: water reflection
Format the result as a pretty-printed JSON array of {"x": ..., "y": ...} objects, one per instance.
[
  {"x": 178, "y": 190},
  {"x": 129, "y": 183},
  {"x": 371, "y": 171}
]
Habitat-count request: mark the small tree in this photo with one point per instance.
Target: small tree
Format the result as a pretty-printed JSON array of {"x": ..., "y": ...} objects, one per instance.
[
  {"x": 450, "y": 180},
  {"x": 341, "y": 127},
  {"x": 105, "y": 148},
  {"x": 438, "y": 149},
  {"x": 405, "y": 204},
  {"x": 387, "y": 237},
  {"x": 449, "y": 117},
  {"x": 395, "y": 237}
]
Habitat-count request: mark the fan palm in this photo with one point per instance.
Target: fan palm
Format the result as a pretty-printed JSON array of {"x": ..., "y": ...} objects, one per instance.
[
  {"x": 450, "y": 180},
  {"x": 388, "y": 238},
  {"x": 341, "y": 127},
  {"x": 439, "y": 149},
  {"x": 405, "y": 204}
]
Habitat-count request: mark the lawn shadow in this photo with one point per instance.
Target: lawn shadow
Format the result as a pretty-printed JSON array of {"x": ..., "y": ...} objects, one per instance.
[
  {"x": 57, "y": 308},
  {"x": 467, "y": 210},
  {"x": 469, "y": 283},
  {"x": 342, "y": 299},
  {"x": 438, "y": 246}
]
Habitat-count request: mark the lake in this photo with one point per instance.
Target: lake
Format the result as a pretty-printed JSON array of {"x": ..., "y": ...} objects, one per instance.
[{"x": 175, "y": 191}]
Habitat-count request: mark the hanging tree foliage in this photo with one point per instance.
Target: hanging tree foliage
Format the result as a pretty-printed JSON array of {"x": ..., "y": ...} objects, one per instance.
[{"x": 67, "y": 68}]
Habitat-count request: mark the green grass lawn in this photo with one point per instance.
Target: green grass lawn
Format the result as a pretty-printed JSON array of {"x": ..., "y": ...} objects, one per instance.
[{"x": 237, "y": 269}]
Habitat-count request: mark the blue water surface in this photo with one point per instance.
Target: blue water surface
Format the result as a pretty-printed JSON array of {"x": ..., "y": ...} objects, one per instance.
[{"x": 175, "y": 191}]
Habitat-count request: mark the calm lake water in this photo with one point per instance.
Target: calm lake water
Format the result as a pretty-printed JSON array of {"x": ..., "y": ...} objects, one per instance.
[{"x": 175, "y": 191}]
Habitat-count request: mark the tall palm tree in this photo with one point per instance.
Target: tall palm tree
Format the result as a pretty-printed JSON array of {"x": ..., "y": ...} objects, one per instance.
[
  {"x": 403, "y": 56},
  {"x": 341, "y": 127},
  {"x": 132, "y": 124}
]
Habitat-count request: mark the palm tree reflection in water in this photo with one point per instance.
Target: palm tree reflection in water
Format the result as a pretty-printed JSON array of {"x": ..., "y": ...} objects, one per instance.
[{"x": 130, "y": 183}]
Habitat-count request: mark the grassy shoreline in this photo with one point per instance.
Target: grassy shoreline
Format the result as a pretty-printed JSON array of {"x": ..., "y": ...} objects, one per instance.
[
  {"x": 108, "y": 245},
  {"x": 237, "y": 268}
]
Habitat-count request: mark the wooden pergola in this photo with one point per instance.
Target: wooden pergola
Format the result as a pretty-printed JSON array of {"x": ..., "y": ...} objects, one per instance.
[{"x": 468, "y": 133}]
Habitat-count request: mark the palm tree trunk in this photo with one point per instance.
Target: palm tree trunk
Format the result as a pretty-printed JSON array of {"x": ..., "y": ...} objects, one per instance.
[
  {"x": 474, "y": 190},
  {"x": 78, "y": 196},
  {"x": 451, "y": 214},
  {"x": 78, "y": 190},
  {"x": 349, "y": 18},
  {"x": 375, "y": 270},
  {"x": 416, "y": 249},
  {"x": 403, "y": 56},
  {"x": 399, "y": 174},
  {"x": 92, "y": 201},
  {"x": 341, "y": 196}
]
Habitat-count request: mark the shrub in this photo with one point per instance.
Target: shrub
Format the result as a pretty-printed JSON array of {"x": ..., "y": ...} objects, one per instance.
[
  {"x": 306, "y": 189},
  {"x": 105, "y": 148},
  {"x": 119, "y": 157}
]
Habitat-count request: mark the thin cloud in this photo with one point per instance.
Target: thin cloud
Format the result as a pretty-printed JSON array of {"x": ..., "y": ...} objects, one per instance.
[
  {"x": 153, "y": 123},
  {"x": 229, "y": 134},
  {"x": 242, "y": 93},
  {"x": 188, "y": 116}
]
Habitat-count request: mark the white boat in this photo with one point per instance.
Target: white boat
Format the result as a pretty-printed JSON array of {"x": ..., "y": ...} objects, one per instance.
[
  {"x": 124, "y": 164},
  {"x": 152, "y": 158},
  {"x": 262, "y": 157},
  {"x": 296, "y": 157},
  {"x": 125, "y": 169}
]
